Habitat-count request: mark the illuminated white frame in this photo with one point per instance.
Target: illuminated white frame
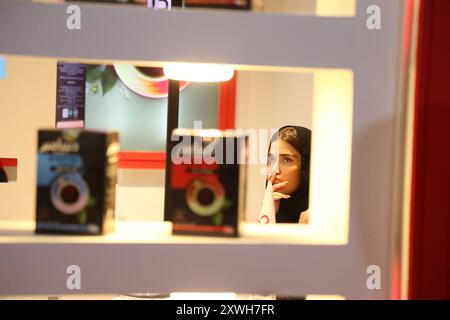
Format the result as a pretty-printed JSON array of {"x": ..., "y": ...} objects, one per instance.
[{"x": 375, "y": 58}]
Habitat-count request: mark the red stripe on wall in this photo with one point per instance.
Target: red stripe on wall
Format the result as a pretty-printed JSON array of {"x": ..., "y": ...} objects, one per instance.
[
  {"x": 142, "y": 156},
  {"x": 227, "y": 104},
  {"x": 145, "y": 164},
  {"x": 8, "y": 162}
]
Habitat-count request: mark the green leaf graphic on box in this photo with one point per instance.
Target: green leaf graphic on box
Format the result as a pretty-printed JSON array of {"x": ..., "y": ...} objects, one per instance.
[
  {"x": 227, "y": 204},
  {"x": 94, "y": 87},
  {"x": 92, "y": 201},
  {"x": 94, "y": 72},
  {"x": 217, "y": 218},
  {"x": 109, "y": 79},
  {"x": 82, "y": 217}
]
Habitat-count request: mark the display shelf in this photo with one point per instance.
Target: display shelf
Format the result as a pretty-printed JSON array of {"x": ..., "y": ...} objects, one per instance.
[
  {"x": 134, "y": 33},
  {"x": 141, "y": 256},
  {"x": 139, "y": 232}
]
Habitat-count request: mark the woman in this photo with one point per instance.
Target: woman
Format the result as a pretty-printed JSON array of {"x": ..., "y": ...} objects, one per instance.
[{"x": 288, "y": 170}]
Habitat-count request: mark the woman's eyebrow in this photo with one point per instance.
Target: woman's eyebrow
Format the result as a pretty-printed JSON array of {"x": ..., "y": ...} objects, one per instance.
[
  {"x": 282, "y": 154},
  {"x": 287, "y": 154}
]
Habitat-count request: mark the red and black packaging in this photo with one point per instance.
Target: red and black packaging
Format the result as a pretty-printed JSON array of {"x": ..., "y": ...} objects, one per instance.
[
  {"x": 76, "y": 181},
  {"x": 206, "y": 183}
]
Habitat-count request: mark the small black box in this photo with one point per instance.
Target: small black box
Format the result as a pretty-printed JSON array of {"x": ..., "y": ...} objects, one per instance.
[
  {"x": 206, "y": 187},
  {"x": 76, "y": 181}
]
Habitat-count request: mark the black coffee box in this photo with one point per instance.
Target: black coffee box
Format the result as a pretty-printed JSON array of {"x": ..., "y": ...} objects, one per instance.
[
  {"x": 205, "y": 185},
  {"x": 76, "y": 181}
]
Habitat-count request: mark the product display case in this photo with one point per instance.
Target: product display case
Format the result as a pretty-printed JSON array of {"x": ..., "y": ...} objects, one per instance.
[{"x": 358, "y": 111}]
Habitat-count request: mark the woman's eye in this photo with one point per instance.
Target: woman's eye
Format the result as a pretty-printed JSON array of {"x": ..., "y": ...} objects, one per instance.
[{"x": 288, "y": 160}]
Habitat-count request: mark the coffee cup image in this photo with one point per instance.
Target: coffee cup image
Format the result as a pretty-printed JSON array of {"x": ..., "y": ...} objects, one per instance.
[
  {"x": 63, "y": 174},
  {"x": 204, "y": 194}
]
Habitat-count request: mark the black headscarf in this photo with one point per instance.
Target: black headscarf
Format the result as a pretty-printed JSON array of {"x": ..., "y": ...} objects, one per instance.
[
  {"x": 3, "y": 176},
  {"x": 291, "y": 209}
]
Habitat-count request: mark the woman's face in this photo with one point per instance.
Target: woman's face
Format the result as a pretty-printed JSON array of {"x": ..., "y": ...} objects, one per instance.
[{"x": 284, "y": 162}]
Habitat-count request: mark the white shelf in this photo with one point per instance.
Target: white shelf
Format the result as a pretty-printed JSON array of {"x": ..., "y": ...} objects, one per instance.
[
  {"x": 22, "y": 232},
  {"x": 134, "y": 33},
  {"x": 140, "y": 257}
]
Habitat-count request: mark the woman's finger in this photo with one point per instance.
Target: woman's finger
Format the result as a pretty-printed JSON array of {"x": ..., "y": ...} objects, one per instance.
[
  {"x": 280, "y": 185},
  {"x": 278, "y": 196},
  {"x": 272, "y": 178}
]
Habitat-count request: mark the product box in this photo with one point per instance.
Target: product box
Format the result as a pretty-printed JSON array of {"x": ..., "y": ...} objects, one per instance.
[
  {"x": 220, "y": 4},
  {"x": 206, "y": 185},
  {"x": 76, "y": 181}
]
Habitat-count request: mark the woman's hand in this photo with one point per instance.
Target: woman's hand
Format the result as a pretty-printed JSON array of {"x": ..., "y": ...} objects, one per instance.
[
  {"x": 304, "y": 217},
  {"x": 278, "y": 195}
]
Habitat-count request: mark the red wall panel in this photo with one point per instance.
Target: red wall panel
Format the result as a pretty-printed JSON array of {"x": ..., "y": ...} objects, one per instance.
[{"x": 430, "y": 216}]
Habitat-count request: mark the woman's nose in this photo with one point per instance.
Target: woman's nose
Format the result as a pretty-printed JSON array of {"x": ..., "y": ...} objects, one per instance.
[
  {"x": 276, "y": 168},
  {"x": 271, "y": 170}
]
